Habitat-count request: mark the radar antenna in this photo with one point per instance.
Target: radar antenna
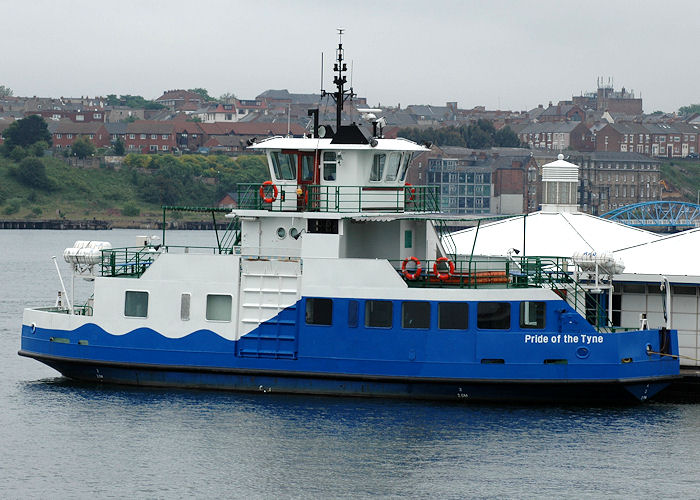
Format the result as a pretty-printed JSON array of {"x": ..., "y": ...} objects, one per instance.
[{"x": 340, "y": 95}]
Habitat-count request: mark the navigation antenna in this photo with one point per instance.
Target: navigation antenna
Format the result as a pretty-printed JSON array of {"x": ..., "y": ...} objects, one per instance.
[{"x": 340, "y": 95}]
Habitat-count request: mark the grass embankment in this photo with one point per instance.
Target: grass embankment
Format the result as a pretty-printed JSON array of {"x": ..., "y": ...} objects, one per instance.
[
  {"x": 684, "y": 176},
  {"x": 130, "y": 193}
]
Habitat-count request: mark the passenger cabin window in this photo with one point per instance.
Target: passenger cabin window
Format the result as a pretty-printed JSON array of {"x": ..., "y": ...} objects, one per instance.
[
  {"x": 393, "y": 165},
  {"x": 353, "y": 313},
  {"x": 453, "y": 315},
  {"x": 330, "y": 163},
  {"x": 136, "y": 304},
  {"x": 284, "y": 165},
  {"x": 415, "y": 315},
  {"x": 532, "y": 314},
  {"x": 319, "y": 311},
  {"x": 219, "y": 307},
  {"x": 493, "y": 315},
  {"x": 324, "y": 226},
  {"x": 378, "y": 313},
  {"x": 377, "y": 167}
]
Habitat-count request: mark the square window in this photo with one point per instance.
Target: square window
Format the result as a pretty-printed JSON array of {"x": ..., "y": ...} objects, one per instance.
[
  {"x": 532, "y": 314},
  {"x": 319, "y": 311},
  {"x": 136, "y": 304},
  {"x": 415, "y": 315},
  {"x": 219, "y": 307},
  {"x": 378, "y": 313},
  {"x": 453, "y": 315},
  {"x": 143, "y": 136},
  {"x": 493, "y": 315}
]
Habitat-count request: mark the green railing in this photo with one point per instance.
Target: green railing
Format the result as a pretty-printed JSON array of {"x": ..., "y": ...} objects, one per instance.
[
  {"x": 518, "y": 272},
  {"x": 339, "y": 199},
  {"x": 127, "y": 261}
]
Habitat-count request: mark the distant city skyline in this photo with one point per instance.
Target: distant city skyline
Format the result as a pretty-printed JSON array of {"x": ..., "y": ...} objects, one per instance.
[{"x": 502, "y": 55}]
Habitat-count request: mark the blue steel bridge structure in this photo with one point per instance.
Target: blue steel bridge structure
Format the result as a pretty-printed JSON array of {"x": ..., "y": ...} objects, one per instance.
[{"x": 667, "y": 214}]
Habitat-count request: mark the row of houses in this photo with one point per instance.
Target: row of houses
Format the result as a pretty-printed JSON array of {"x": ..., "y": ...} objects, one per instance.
[
  {"x": 149, "y": 136},
  {"x": 509, "y": 180},
  {"x": 678, "y": 139}
]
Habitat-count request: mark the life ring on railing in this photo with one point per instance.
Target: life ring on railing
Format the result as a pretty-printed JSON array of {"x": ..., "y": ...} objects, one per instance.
[
  {"x": 442, "y": 276},
  {"x": 275, "y": 192},
  {"x": 411, "y": 191},
  {"x": 408, "y": 274}
]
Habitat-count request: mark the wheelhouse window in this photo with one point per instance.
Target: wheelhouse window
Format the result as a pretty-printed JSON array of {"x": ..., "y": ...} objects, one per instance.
[
  {"x": 415, "y": 315},
  {"x": 377, "y": 167},
  {"x": 393, "y": 165},
  {"x": 284, "y": 165},
  {"x": 136, "y": 304},
  {"x": 219, "y": 307},
  {"x": 319, "y": 311},
  {"x": 404, "y": 166},
  {"x": 307, "y": 168},
  {"x": 330, "y": 164},
  {"x": 532, "y": 314},
  {"x": 493, "y": 315},
  {"x": 378, "y": 313},
  {"x": 453, "y": 315}
]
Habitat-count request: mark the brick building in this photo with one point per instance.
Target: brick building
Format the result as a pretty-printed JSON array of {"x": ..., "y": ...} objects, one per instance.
[
  {"x": 557, "y": 136},
  {"x": 609, "y": 180},
  {"x": 65, "y": 132},
  {"x": 145, "y": 136}
]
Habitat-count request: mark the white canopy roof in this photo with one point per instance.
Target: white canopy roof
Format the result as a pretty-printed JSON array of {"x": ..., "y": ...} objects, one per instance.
[
  {"x": 312, "y": 144},
  {"x": 671, "y": 255},
  {"x": 548, "y": 233}
]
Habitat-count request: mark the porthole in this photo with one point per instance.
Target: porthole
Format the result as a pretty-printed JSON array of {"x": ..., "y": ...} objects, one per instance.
[
  {"x": 294, "y": 233},
  {"x": 281, "y": 233}
]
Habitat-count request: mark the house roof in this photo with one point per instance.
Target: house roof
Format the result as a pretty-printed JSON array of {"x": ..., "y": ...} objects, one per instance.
[
  {"x": 116, "y": 128},
  {"x": 70, "y": 127},
  {"x": 558, "y": 127},
  {"x": 150, "y": 127}
]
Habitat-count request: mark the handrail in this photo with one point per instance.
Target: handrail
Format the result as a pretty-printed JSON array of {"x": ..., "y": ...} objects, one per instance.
[
  {"x": 340, "y": 199},
  {"x": 518, "y": 272}
]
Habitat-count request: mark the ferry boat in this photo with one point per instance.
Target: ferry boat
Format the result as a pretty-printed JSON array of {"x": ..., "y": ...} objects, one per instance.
[{"x": 337, "y": 277}]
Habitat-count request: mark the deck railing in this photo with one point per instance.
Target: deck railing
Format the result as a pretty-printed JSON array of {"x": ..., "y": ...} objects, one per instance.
[
  {"x": 338, "y": 199},
  {"x": 517, "y": 272}
]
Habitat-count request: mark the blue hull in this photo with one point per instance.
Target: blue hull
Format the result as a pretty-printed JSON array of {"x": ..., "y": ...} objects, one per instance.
[
  {"x": 602, "y": 391},
  {"x": 287, "y": 355}
]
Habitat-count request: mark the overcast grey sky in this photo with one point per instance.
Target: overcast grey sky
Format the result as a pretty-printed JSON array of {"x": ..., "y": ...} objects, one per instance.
[{"x": 499, "y": 54}]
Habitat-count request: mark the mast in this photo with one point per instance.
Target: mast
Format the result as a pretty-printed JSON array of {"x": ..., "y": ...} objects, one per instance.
[{"x": 340, "y": 95}]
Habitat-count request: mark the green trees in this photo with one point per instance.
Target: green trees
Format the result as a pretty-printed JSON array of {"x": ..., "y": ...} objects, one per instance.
[
  {"x": 479, "y": 135},
  {"x": 5, "y": 91},
  {"x": 26, "y": 132},
  {"x": 203, "y": 92},
  {"x": 132, "y": 101},
  {"x": 689, "y": 110},
  {"x": 32, "y": 172},
  {"x": 118, "y": 147},
  {"x": 82, "y": 147}
]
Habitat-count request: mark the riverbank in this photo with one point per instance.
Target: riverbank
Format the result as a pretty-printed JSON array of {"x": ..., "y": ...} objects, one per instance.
[{"x": 91, "y": 225}]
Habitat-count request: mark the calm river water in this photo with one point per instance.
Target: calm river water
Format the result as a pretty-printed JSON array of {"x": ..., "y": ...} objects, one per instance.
[{"x": 60, "y": 439}]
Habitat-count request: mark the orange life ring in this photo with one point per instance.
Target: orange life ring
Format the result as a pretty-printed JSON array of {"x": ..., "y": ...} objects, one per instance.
[
  {"x": 408, "y": 274},
  {"x": 411, "y": 191},
  {"x": 275, "y": 192},
  {"x": 450, "y": 269}
]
